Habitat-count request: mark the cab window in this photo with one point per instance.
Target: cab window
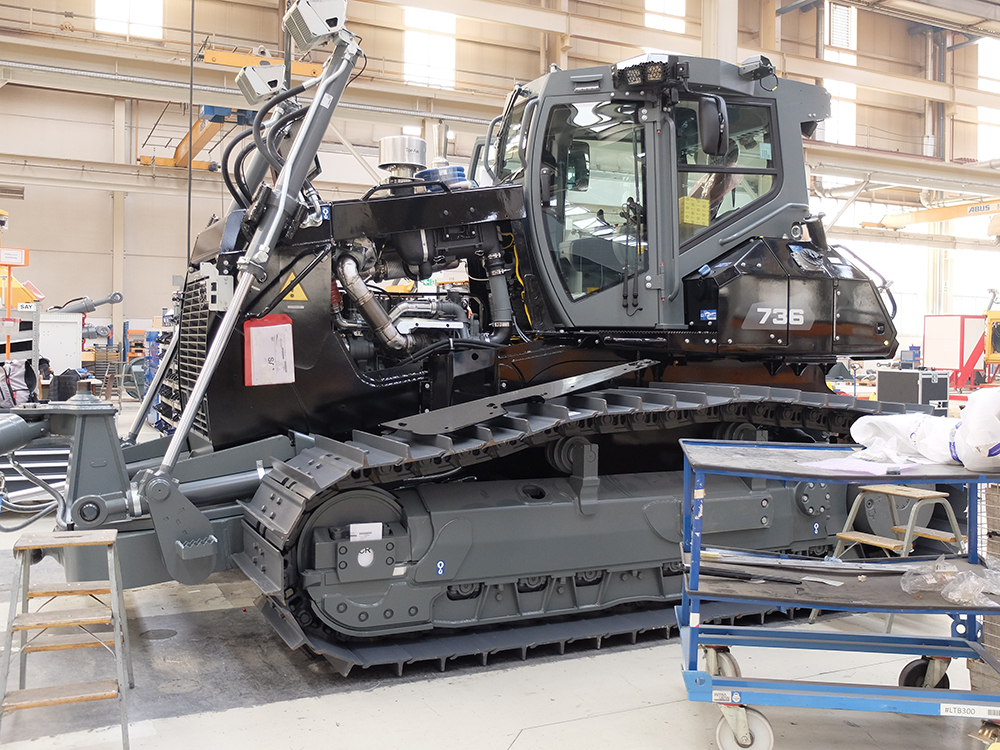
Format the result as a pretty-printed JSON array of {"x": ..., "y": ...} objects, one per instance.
[{"x": 711, "y": 189}]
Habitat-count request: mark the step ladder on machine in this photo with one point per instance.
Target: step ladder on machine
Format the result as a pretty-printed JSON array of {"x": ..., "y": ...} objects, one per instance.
[
  {"x": 23, "y": 621},
  {"x": 902, "y": 543}
]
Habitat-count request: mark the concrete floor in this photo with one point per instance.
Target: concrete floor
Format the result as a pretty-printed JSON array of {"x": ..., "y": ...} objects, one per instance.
[{"x": 210, "y": 672}]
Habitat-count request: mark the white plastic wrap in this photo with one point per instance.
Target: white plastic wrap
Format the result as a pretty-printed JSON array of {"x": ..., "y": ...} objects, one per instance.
[
  {"x": 978, "y": 438},
  {"x": 907, "y": 437},
  {"x": 992, "y": 574}
]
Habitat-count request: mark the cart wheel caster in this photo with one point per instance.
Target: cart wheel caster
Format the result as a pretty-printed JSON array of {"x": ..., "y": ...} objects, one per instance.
[
  {"x": 913, "y": 675},
  {"x": 761, "y": 734},
  {"x": 721, "y": 663},
  {"x": 728, "y": 666}
]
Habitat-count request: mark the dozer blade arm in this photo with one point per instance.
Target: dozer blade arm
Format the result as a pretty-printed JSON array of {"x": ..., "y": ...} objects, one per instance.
[
  {"x": 452, "y": 418},
  {"x": 188, "y": 546}
]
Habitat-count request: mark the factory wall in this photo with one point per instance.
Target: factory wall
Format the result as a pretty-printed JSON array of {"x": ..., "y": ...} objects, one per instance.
[{"x": 68, "y": 226}]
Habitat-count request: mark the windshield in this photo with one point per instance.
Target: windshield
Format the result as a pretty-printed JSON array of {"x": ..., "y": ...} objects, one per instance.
[{"x": 593, "y": 193}]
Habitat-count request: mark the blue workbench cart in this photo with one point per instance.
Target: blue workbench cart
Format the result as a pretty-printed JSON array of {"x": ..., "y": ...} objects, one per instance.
[{"x": 869, "y": 586}]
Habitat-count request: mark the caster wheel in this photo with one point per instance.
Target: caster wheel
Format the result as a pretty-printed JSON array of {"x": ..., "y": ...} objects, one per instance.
[
  {"x": 725, "y": 663},
  {"x": 913, "y": 675},
  {"x": 728, "y": 666},
  {"x": 761, "y": 734}
]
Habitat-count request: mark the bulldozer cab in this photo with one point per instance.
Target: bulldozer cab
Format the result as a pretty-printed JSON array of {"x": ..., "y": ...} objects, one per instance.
[{"x": 638, "y": 175}]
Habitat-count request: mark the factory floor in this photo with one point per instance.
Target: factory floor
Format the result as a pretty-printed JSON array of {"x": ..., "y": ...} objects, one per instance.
[{"x": 210, "y": 673}]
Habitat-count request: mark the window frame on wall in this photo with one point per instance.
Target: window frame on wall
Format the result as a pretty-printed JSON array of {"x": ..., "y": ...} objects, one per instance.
[
  {"x": 988, "y": 128},
  {"x": 841, "y": 47},
  {"x": 666, "y": 15},
  {"x": 429, "y": 35},
  {"x": 140, "y": 18}
]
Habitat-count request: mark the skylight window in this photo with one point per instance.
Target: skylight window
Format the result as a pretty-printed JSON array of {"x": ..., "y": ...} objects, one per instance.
[
  {"x": 666, "y": 15},
  {"x": 130, "y": 17},
  {"x": 842, "y": 40},
  {"x": 429, "y": 48}
]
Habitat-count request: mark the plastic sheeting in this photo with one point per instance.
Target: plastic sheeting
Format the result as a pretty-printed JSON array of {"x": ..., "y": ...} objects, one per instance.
[{"x": 973, "y": 440}]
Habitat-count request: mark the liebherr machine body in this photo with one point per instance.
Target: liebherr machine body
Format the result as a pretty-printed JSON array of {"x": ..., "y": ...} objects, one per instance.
[{"x": 642, "y": 265}]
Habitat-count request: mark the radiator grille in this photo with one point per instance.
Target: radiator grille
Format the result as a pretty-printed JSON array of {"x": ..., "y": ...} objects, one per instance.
[{"x": 191, "y": 349}]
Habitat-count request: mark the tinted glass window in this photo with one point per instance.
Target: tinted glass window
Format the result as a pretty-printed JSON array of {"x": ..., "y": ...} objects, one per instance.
[
  {"x": 593, "y": 193},
  {"x": 710, "y": 188}
]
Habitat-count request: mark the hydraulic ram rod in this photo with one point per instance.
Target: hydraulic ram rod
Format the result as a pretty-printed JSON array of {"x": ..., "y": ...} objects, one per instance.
[
  {"x": 154, "y": 388},
  {"x": 290, "y": 181}
]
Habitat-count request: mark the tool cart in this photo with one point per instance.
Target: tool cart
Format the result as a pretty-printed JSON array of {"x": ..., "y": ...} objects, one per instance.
[{"x": 849, "y": 586}]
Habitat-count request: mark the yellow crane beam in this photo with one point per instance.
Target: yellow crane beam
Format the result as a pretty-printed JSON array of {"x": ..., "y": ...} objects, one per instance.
[
  {"x": 238, "y": 60},
  {"x": 200, "y": 135},
  {"x": 928, "y": 215},
  {"x": 163, "y": 161}
]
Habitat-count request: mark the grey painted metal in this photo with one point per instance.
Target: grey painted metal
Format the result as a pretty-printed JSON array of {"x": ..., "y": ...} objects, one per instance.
[
  {"x": 96, "y": 466},
  {"x": 568, "y": 562},
  {"x": 139, "y": 548},
  {"x": 453, "y": 418},
  {"x": 403, "y": 651},
  {"x": 187, "y": 544},
  {"x": 441, "y": 520},
  {"x": 15, "y": 432},
  {"x": 331, "y": 465}
]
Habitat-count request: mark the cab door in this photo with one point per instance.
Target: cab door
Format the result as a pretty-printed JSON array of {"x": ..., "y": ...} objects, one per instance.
[{"x": 590, "y": 206}]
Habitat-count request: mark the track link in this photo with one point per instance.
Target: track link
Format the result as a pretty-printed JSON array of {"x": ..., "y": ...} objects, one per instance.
[{"x": 274, "y": 518}]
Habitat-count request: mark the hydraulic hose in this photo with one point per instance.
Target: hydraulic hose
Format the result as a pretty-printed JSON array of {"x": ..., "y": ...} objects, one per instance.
[
  {"x": 274, "y": 131},
  {"x": 237, "y": 196},
  {"x": 258, "y": 121},
  {"x": 241, "y": 182},
  {"x": 500, "y": 307}
]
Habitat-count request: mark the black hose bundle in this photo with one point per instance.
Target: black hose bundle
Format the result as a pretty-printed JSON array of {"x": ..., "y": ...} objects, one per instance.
[
  {"x": 258, "y": 123},
  {"x": 237, "y": 194}
]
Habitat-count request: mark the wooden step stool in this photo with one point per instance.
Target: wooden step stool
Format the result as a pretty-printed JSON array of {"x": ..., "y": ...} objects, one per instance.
[
  {"x": 900, "y": 545},
  {"x": 41, "y": 620}
]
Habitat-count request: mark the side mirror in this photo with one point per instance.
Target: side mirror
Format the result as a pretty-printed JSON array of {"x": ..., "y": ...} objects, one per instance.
[
  {"x": 578, "y": 166},
  {"x": 713, "y": 125}
]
